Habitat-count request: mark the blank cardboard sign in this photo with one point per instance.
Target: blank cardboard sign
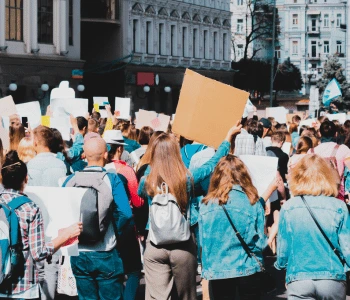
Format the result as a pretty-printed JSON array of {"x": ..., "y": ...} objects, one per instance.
[{"x": 207, "y": 109}]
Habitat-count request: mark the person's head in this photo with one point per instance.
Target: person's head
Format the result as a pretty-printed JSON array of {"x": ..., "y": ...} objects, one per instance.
[
  {"x": 26, "y": 149},
  {"x": 58, "y": 145},
  {"x": 302, "y": 128},
  {"x": 123, "y": 126},
  {"x": 313, "y": 175},
  {"x": 184, "y": 141},
  {"x": 230, "y": 171},
  {"x": 96, "y": 115},
  {"x": 115, "y": 152},
  {"x": 93, "y": 125},
  {"x": 328, "y": 129},
  {"x": 296, "y": 119},
  {"x": 132, "y": 134},
  {"x": 167, "y": 166},
  {"x": 95, "y": 150},
  {"x": 319, "y": 121},
  {"x": 272, "y": 121},
  {"x": 14, "y": 172},
  {"x": 145, "y": 135},
  {"x": 266, "y": 126},
  {"x": 16, "y": 133},
  {"x": 345, "y": 128},
  {"x": 278, "y": 138},
  {"x": 312, "y": 135},
  {"x": 293, "y": 128},
  {"x": 43, "y": 138},
  {"x": 82, "y": 125},
  {"x": 304, "y": 144},
  {"x": 255, "y": 128},
  {"x": 146, "y": 158}
]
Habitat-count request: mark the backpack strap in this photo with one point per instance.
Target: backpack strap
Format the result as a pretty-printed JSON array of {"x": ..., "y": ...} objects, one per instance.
[
  {"x": 18, "y": 201},
  {"x": 335, "y": 150}
]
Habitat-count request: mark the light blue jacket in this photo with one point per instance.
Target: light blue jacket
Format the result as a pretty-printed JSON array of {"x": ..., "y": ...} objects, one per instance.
[
  {"x": 222, "y": 254},
  {"x": 198, "y": 175},
  {"x": 302, "y": 249}
]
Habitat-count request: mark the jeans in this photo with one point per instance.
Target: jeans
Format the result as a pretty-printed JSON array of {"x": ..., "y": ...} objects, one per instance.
[
  {"x": 132, "y": 285},
  {"x": 317, "y": 289},
  {"x": 248, "y": 288},
  {"x": 99, "y": 275}
]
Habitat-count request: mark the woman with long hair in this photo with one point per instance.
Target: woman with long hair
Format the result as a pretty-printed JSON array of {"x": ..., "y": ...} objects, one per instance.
[
  {"x": 175, "y": 263},
  {"x": 225, "y": 263},
  {"x": 35, "y": 249},
  {"x": 314, "y": 269},
  {"x": 16, "y": 133},
  {"x": 58, "y": 147},
  {"x": 129, "y": 137},
  {"x": 303, "y": 146}
]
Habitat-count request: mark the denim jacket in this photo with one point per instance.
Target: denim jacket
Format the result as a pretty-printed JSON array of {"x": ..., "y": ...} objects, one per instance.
[
  {"x": 222, "y": 254},
  {"x": 198, "y": 175},
  {"x": 302, "y": 249}
]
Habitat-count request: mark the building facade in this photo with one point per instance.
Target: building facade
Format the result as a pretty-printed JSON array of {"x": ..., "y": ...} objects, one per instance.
[
  {"x": 39, "y": 42},
  {"x": 159, "y": 39}
]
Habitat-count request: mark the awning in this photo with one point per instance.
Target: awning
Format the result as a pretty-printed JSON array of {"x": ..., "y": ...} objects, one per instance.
[
  {"x": 303, "y": 102},
  {"x": 313, "y": 12}
]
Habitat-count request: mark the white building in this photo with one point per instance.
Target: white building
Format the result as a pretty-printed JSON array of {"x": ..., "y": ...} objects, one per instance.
[
  {"x": 39, "y": 41},
  {"x": 310, "y": 31}
]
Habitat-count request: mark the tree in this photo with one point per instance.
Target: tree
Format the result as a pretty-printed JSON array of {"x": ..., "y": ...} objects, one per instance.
[
  {"x": 334, "y": 69},
  {"x": 258, "y": 26}
]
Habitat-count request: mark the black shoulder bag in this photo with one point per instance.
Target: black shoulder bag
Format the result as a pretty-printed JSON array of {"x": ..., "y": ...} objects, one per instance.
[
  {"x": 335, "y": 250},
  {"x": 267, "y": 282}
]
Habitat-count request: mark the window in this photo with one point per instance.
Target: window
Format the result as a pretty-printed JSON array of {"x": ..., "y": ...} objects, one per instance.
[
  {"x": 148, "y": 37},
  {"x": 184, "y": 42},
  {"x": 239, "y": 25},
  {"x": 14, "y": 20},
  {"x": 45, "y": 21},
  {"x": 161, "y": 39},
  {"x": 313, "y": 49},
  {"x": 313, "y": 24},
  {"x": 278, "y": 52},
  {"x": 339, "y": 47},
  {"x": 70, "y": 23},
  {"x": 215, "y": 45},
  {"x": 173, "y": 40},
  {"x": 326, "y": 47},
  {"x": 135, "y": 35},
  {"x": 339, "y": 20},
  {"x": 239, "y": 2},
  {"x": 195, "y": 41},
  {"x": 295, "y": 1},
  {"x": 295, "y": 19},
  {"x": 239, "y": 51},
  {"x": 205, "y": 43},
  {"x": 295, "y": 47},
  {"x": 326, "y": 20},
  {"x": 224, "y": 46}
]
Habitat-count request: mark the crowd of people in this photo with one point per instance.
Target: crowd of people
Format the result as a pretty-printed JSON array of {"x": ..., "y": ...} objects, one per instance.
[{"x": 220, "y": 228}]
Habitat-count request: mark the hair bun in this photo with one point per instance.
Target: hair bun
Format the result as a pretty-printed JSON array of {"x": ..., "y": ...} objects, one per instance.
[{"x": 11, "y": 158}]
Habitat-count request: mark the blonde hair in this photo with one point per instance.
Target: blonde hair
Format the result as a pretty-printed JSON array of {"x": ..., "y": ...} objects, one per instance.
[
  {"x": 26, "y": 149},
  {"x": 313, "y": 175}
]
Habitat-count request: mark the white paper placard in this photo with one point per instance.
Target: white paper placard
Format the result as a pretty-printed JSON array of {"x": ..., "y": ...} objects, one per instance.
[
  {"x": 63, "y": 91},
  {"x": 61, "y": 107},
  {"x": 102, "y": 101},
  {"x": 144, "y": 118},
  {"x": 262, "y": 169},
  {"x": 279, "y": 113},
  {"x": 122, "y": 105},
  {"x": 286, "y": 147},
  {"x": 63, "y": 125},
  {"x": 340, "y": 117},
  {"x": 60, "y": 208},
  {"x": 32, "y": 111},
  {"x": 7, "y": 106},
  {"x": 4, "y": 136}
]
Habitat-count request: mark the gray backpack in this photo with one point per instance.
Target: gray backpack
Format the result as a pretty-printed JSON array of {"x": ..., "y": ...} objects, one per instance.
[
  {"x": 167, "y": 223},
  {"x": 95, "y": 205}
]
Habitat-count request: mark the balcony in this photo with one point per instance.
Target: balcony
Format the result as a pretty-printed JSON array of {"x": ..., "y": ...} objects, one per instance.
[
  {"x": 313, "y": 30},
  {"x": 100, "y": 11},
  {"x": 314, "y": 57}
]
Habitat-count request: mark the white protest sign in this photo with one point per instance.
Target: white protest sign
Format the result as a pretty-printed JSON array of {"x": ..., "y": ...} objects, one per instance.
[
  {"x": 339, "y": 117},
  {"x": 63, "y": 125},
  {"x": 279, "y": 113},
  {"x": 122, "y": 107},
  {"x": 63, "y": 91},
  {"x": 32, "y": 111},
  {"x": 286, "y": 147},
  {"x": 262, "y": 170},
  {"x": 249, "y": 107},
  {"x": 61, "y": 107},
  {"x": 60, "y": 208},
  {"x": 158, "y": 122},
  {"x": 307, "y": 122},
  {"x": 7, "y": 106},
  {"x": 4, "y": 136},
  {"x": 102, "y": 102}
]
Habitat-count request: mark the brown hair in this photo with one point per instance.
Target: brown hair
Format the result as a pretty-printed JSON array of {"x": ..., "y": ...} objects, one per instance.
[
  {"x": 230, "y": 171},
  {"x": 296, "y": 119},
  {"x": 43, "y": 135},
  {"x": 293, "y": 128},
  {"x": 146, "y": 158},
  {"x": 167, "y": 166},
  {"x": 278, "y": 137},
  {"x": 123, "y": 126},
  {"x": 26, "y": 149},
  {"x": 16, "y": 134},
  {"x": 313, "y": 175},
  {"x": 93, "y": 125},
  {"x": 1, "y": 153},
  {"x": 145, "y": 135},
  {"x": 304, "y": 144}
]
